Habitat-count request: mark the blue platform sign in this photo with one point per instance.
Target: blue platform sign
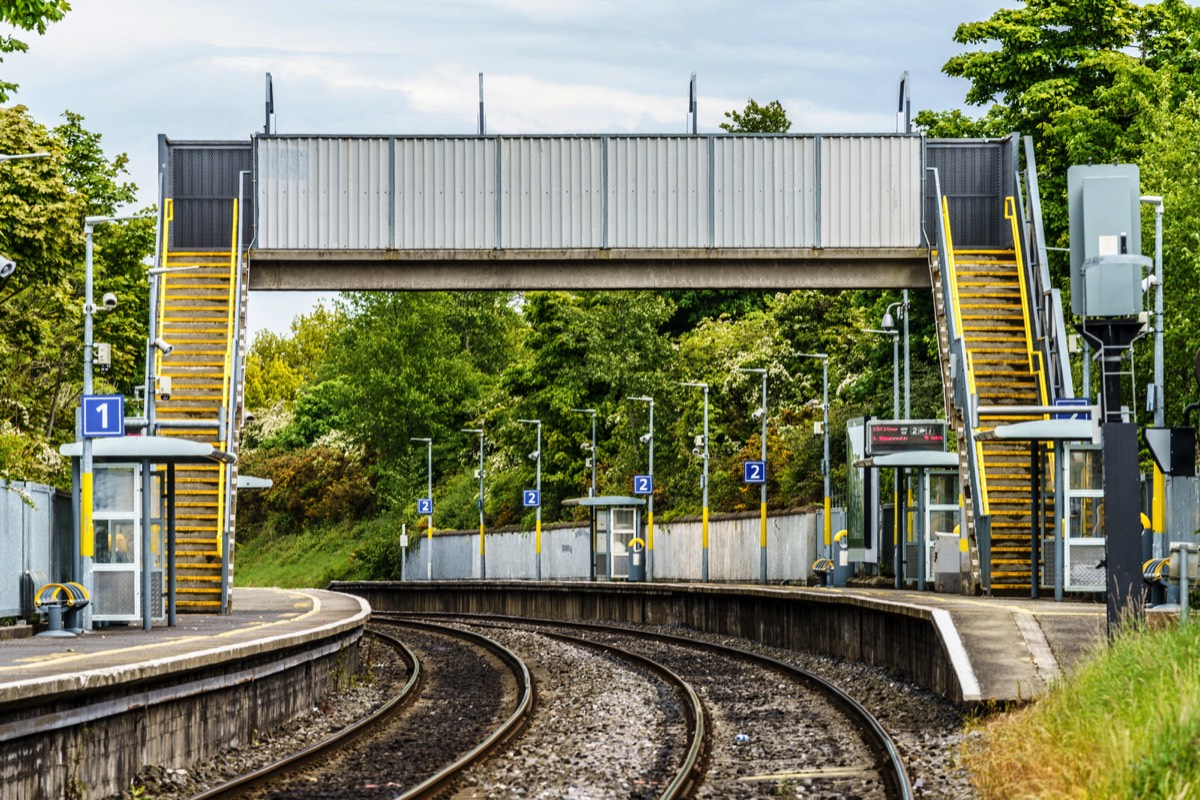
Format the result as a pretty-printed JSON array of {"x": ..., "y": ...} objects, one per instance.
[
  {"x": 424, "y": 506},
  {"x": 754, "y": 472},
  {"x": 531, "y": 498},
  {"x": 103, "y": 415},
  {"x": 643, "y": 484},
  {"x": 1071, "y": 401}
]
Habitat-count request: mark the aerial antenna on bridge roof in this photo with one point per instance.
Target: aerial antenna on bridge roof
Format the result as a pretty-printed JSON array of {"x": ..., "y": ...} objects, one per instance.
[
  {"x": 692, "y": 102},
  {"x": 482, "y": 118},
  {"x": 269, "y": 122},
  {"x": 904, "y": 107}
]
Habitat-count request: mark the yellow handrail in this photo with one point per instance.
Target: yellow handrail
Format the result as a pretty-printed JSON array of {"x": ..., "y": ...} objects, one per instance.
[
  {"x": 168, "y": 218},
  {"x": 1010, "y": 214}
]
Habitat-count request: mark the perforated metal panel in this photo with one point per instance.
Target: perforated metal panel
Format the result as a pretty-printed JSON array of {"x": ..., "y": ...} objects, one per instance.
[
  {"x": 114, "y": 593},
  {"x": 202, "y": 178},
  {"x": 976, "y": 176}
]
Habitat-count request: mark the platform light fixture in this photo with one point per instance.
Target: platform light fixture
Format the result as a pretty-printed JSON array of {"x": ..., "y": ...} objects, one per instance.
[
  {"x": 536, "y": 456},
  {"x": 429, "y": 493},
  {"x": 825, "y": 433},
  {"x": 703, "y": 485},
  {"x": 648, "y": 439},
  {"x": 479, "y": 474},
  {"x": 760, "y": 415}
]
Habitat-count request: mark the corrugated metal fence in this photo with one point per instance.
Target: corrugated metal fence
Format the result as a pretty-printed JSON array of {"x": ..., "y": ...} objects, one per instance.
[
  {"x": 553, "y": 192},
  {"x": 733, "y": 551},
  {"x": 35, "y": 537}
]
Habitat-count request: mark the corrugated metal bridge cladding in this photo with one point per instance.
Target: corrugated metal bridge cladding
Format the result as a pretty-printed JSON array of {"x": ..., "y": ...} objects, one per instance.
[{"x": 589, "y": 211}]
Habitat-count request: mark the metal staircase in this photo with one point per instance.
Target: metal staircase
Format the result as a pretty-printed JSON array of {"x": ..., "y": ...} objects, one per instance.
[
  {"x": 1003, "y": 370},
  {"x": 197, "y": 314}
]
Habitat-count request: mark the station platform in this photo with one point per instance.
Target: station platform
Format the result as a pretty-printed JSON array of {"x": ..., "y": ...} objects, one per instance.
[
  {"x": 1015, "y": 647},
  {"x": 973, "y": 650},
  {"x": 90, "y": 710},
  {"x": 262, "y": 620}
]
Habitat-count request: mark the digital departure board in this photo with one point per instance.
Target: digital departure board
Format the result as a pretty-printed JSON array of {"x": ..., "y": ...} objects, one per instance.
[{"x": 905, "y": 436}]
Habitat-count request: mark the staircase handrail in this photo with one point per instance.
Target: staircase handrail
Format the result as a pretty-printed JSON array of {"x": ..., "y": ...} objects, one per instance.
[
  {"x": 1051, "y": 320},
  {"x": 963, "y": 389}
]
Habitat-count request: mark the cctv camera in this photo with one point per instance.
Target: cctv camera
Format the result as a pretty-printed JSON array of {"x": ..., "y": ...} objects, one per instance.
[
  {"x": 109, "y": 301},
  {"x": 645, "y": 438},
  {"x": 697, "y": 451},
  {"x": 7, "y": 267},
  {"x": 699, "y": 440},
  {"x": 757, "y": 415},
  {"x": 164, "y": 387},
  {"x": 164, "y": 347},
  {"x": 1148, "y": 283},
  {"x": 585, "y": 446},
  {"x": 534, "y": 455}
]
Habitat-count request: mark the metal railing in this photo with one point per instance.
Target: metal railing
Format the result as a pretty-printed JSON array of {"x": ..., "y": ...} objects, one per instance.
[
  {"x": 1049, "y": 321},
  {"x": 963, "y": 388}
]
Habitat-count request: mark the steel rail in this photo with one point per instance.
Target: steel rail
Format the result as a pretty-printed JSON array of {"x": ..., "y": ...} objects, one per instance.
[
  {"x": 689, "y": 772},
  {"x": 440, "y": 781},
  {"x": 284, "y": 766},
  {"x": 894, "y": 772}
]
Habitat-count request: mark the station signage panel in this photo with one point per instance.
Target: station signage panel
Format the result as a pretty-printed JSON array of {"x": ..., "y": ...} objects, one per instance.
[
  {"x": 905, "y": 436},
  {"x": 531, "y": 498},
  {"x": 424, "y": 505},
  {"x": 754, "y": 472},
  {"x": 643, "y": 484},
  {"x": 103, "y": 415}
]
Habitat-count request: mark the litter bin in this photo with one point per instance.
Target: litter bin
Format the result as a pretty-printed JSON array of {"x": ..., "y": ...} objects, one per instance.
[{"x": 637, "y": 560}]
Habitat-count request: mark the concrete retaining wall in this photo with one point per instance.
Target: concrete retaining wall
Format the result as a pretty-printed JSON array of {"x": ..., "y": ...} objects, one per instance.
[
  {"x": 91, "y": 743},
  {"x": 906, "y": 639}
]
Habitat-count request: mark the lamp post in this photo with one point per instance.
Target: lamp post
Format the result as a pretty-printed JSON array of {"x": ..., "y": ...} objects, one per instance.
[
  {"x": 591, "y": 412},
  {"x": 87, "y": 533},
  {"x": 889, "y": 323},
  {"x": 900, "y": 520},
  {"x": 482, "y": 546},
  {"x": 761, "y": 414},
  {"x": 895, "y": 473},
  {"x": 825, "y": 433},
  {"x": 1159, "y": 509},
  {"x": 536, "y": 455},
  {"x": 649, "y": 439},
  {"x": 429, "y": 494},
  {"x": 704, "y": 488}
]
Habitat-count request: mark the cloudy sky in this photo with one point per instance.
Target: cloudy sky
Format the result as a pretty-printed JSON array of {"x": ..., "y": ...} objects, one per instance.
[{"x": 195, "y": 70}]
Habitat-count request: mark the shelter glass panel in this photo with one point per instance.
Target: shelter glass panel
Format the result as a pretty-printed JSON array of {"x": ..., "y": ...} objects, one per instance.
[{"x": 113, "y": 489}]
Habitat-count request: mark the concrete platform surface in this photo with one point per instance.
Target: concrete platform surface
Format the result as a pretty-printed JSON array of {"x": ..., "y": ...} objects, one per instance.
[
  {"x": 263, "y": 620},
  {"x": 1016, "y": 647}
]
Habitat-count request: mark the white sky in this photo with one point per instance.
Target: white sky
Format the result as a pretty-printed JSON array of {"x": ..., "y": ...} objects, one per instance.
[{"x": 195, "y": 70}]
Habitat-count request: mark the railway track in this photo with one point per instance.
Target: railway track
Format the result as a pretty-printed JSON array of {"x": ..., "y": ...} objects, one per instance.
[
  {"x": 811, "y": 735},
  {"x": 479, "y": 706},
  {"x": 689, "y": 719}
]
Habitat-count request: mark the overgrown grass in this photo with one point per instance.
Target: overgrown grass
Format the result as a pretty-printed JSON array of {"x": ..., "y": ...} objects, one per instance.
[
  {"x": 318, "y": 554},
  {"x": 1125, "y": 725}
]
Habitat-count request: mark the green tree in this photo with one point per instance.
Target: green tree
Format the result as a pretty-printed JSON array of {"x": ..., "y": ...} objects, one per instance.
[
  {"x": 771, "y": 118},
  {"x": 42, "y": 205},
  {"x": 26, "y": 15},
  {"x": 278, "y": 366}
]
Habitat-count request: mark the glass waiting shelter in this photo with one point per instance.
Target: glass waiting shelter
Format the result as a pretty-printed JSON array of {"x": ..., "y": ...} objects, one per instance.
[
  {"x": 133, "y": 539},
  {"x": 615, "y": 521},
  {"x": 1076, "y": 555},
  {"x": 925, "y": 463}
]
